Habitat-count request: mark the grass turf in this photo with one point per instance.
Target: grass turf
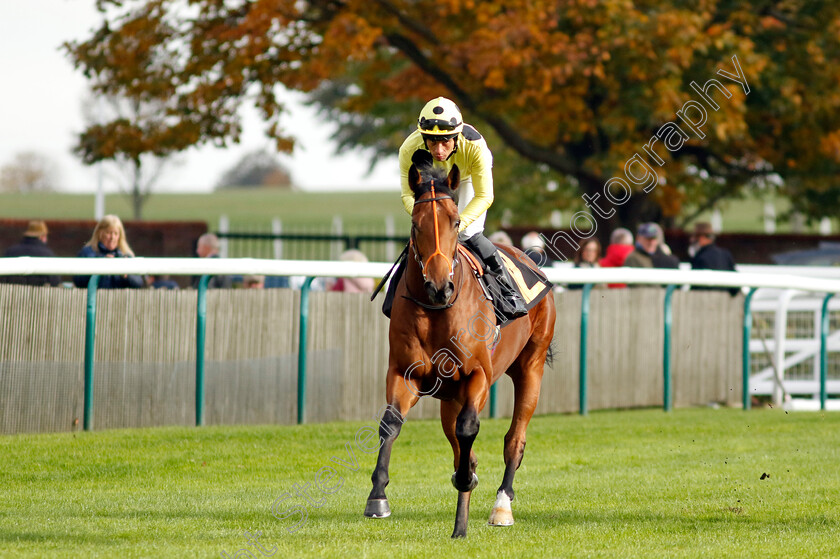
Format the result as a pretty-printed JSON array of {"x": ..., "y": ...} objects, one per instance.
[
  {"x": 249, "y": 208},
  {"x": 630, "y": 484},
  {"x": 252, "y": 209}
]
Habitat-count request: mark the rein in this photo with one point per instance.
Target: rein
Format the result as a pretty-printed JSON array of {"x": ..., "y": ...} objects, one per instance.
[
  {"x": 437, "y": 251},
  {"x": 427, "y": 306}
]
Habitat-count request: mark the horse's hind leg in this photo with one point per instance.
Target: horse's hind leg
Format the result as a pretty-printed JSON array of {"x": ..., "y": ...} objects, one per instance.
[
  {"x": 400, "y": 400},
  {"x": 527, "y": 376}
]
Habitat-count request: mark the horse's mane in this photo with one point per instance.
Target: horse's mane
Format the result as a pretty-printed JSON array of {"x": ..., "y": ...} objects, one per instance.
[{"x": 422, "y": 162}]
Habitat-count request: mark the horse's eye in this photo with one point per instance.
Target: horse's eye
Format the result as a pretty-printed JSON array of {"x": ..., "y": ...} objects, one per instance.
[{"x": 457, "y": 223}]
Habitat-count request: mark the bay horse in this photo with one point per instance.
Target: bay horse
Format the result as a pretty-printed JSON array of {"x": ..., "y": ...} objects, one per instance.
[{"x": 444, "y": 342}]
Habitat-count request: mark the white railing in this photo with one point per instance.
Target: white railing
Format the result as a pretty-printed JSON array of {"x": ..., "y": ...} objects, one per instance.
[
  {"x": 786, "y": 350},
  {"x": 322, "y": 268},
  {"x": 778, "y": 293},
  {"x": 190, "y": 267}
]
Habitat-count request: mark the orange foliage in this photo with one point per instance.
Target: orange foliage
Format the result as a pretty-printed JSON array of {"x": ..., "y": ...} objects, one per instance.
[{"x": 577, "y": 85}]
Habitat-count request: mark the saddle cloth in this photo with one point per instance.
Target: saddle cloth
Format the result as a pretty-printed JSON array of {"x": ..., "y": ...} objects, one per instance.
[{"x": 531, "y": 284}]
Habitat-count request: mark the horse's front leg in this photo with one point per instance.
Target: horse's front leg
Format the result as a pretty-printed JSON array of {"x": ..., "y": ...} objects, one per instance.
[
  {"x": 400, "y": 399},
  {"x": 466, "y": 429}
]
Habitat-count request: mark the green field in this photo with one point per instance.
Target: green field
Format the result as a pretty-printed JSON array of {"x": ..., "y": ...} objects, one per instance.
[
  {"x": 249, "y": 208},
  {"x": 254, "y": 209},
  {"x": 613, "y": 484}
]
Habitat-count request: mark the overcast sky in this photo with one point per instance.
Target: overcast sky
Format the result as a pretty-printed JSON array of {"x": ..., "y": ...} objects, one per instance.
[{"x": 41, "y": 111}]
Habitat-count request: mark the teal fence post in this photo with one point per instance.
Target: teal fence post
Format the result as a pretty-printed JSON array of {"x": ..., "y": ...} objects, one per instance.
[
  {"x": 745, "y": 357},
  {"x": 493, "y": 403},
  {"x": 667, "y": 399},
  {"x": 584, "y": 339},
  {"x": 90, "y": 342},
  {"x": 200, "y": 335},
  {"x": 824, "y": 324},
  {"x": 304, "y": 318}
]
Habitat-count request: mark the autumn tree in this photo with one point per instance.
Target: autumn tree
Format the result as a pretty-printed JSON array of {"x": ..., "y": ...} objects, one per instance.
[
  {"x": 576, "y": 87},
  {"x": 135, "y": 169},
  {"x": 256, "y": 169},
  {"x": 29, "y": 171},
  {"x": 523, "y": 187}
]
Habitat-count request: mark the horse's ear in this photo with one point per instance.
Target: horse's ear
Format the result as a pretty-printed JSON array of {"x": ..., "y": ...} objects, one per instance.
[
  {"x": 454, "y": 178},
  {"x": 422, "y": 163},
  {"x": 422, "y": 158},
  {"x": 413, "y": 178}
]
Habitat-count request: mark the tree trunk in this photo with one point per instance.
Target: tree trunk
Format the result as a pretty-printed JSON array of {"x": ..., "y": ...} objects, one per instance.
[
  {"x": 137, "y": 197},
  {"x": 608, "y": 216}
]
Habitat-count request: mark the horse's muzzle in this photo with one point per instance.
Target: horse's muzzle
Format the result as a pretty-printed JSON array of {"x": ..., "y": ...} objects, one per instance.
[{"x": 437, "y": 295}]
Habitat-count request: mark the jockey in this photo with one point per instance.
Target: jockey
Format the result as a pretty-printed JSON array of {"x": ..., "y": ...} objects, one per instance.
[{"x": 442, "y": 132}]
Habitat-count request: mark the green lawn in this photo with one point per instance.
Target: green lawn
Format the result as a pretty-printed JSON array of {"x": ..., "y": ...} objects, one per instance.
[
  {"x": 254, "y": 209},
  {"x": 613, "y": 484},
  {"x": 747, "y": 216}
]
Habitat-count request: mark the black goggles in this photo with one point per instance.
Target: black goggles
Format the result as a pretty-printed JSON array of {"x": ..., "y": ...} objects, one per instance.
[{"x": 443, "y": 125}]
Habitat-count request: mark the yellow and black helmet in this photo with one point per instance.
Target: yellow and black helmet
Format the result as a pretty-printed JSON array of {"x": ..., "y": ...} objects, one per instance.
[{"x": 440, "y": 119}]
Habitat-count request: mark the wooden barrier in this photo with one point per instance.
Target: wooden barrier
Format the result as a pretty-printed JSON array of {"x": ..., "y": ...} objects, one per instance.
[{"x": 145, "y": 356}]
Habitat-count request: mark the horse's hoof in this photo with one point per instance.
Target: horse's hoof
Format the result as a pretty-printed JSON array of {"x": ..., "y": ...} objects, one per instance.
[
  {"x": 501, "y": 515},
  {"x": 473, "y": 483},
  {"x": 377, "y": 508}
]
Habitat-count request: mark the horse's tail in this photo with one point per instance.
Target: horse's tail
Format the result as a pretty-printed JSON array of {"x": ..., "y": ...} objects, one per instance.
[{"x": 549, "y": 355}]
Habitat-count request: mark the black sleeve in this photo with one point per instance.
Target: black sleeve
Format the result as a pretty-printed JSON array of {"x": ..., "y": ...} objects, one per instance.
[{"x": 730, "y": 261}]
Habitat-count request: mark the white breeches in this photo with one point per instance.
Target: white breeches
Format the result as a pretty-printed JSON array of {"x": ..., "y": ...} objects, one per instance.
[{"x": 465, "y": 194}]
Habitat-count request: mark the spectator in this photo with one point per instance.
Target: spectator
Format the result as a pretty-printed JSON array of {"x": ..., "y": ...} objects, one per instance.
[
  {"x": 589, "y": 254},
  {"x": 318, "y": 284},
  {"x": 660, "y": 236},
  {"x": 587, "y": 257},
  {"x": 648, "y": 253},
  {"x": 208, "y": 247},
  {"x": 276, "y": 281},
  {"x": 621, "y": 245},
  {"x": 108, "y": 241},
  {"x": 162, "y": 282},
  {"x": 534, "y": 246},
  {"x": 706, "y": 255},
  {"x": 353, "y": 285},
  {"x": 253, "y": 282},
  {"x": 34, "y": 243},
  {"x": 501, "y": 237}
]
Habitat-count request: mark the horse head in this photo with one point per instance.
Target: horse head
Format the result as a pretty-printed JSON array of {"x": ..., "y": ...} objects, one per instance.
[{"x": 434, "y": 225}]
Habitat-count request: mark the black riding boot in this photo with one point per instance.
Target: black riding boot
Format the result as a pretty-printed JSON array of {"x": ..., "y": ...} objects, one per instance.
[
  {"x": 512, "y": 304},
  {"x": 388, "y": 304}
]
